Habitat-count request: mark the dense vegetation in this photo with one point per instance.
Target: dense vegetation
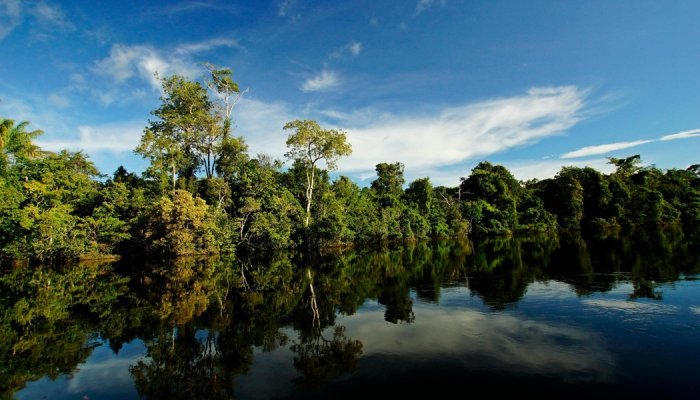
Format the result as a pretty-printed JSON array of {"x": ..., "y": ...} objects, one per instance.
[{"x": 204, "y": 193}]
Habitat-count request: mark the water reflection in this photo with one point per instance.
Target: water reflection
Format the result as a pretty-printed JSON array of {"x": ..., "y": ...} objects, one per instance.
[
  {"x": 479, "y": 341},
  {"x": 504, "y": 306}
]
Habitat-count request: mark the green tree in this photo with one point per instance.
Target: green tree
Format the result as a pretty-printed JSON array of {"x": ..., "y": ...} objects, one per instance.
[
  {"x": 626, "y": 166},
  {"x": 491, "y": 195},
  {"x": 182, "y": 225},
  {"x": 185, "y": 135},
  {"x": 388, "y": 186},
  {"x": 310, "y": 144},
  {"x": 16, "y": 143},
  {"x": 267, "y": 213}
]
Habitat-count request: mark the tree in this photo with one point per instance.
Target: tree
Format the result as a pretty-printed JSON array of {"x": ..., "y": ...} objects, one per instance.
[
  {"x": 420, "y": 194},
  {"x": 626, "y": 166},
  {"x": 310, "y": 144},
  {"x": 182, "y": 225},
  {"x": 221, "y": 83},
  {"x": 491, "y": 195},
  {"x": 185, "y": 135},
  {"x": 16, "y": 142},
  {"x": 389, "y": 183}
]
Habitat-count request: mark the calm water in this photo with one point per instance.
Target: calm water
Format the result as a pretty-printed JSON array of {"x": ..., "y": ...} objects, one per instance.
[{"x": 615, "y": 316}]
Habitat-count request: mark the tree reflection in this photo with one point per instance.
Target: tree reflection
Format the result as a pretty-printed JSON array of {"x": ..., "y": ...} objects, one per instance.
[
  {"x": 196, "y": 367},
  {"x": 46, "y": 314},
  {"x": 203, "y": 319},
  {"x": 319, "y": 359}
]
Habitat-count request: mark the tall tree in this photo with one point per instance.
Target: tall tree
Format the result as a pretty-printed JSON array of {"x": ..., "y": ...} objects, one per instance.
[
  {"x": 389, "y": 183},
  {"x": 184, "y": 136},
  {"x": 310, "y": 144},
  {"x": 222, "y": 85}
]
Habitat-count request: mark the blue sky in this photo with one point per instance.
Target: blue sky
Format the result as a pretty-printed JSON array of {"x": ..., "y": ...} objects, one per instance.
[{"x": 436, "y": 84}]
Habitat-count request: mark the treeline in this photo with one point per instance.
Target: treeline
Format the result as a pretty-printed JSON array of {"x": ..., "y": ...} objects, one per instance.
[{"x": 203, "y": 192}]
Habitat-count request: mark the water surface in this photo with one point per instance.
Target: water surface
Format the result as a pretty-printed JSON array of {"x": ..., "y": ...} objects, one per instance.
[{"x": 603, "y": 316}]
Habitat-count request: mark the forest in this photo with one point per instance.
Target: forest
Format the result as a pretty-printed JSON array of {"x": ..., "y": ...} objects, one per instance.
[{"x": 204, "y": 193}]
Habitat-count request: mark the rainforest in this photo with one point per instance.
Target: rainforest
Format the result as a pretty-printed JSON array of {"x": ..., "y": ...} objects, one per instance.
[{"x": 203, "y": 193}]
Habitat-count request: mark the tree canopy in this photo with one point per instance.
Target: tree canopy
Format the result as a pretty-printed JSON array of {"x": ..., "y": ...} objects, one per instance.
[{"x": 203, "y": 192}]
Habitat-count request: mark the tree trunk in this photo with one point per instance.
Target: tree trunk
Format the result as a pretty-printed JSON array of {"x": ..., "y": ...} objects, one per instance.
[
  {"x": 309, "y": 194},
  {"x": 173, "y": 179}
]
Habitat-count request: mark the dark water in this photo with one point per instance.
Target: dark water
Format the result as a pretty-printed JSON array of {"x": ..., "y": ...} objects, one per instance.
[{"x": 615, "y": 316}]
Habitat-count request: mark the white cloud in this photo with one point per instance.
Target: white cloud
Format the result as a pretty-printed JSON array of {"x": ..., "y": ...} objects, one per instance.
[
  {"x": 143, "y": 62},
  {"x": 261, "y": 124},
  {"x": 461, "y": 133},
  {"x": 206, "y": 45},
  {"x": 117, "y": 137},
  {"x": 603, "y": 148},
  {"x": 125, "y": 62},
  {"x": 323, "y": 81},
  {"x": 543, "y": 169},
  {"x": 695, "y": 309},
  {"x": 10, "y": 16},
  {"x": 682, "y": 135}
]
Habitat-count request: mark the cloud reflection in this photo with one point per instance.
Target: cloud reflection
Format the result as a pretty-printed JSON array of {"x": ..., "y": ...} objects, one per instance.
[
  {"x": 631, "y": 307},
  {"x": 104, "y": 371},
  {"x": 489, "y": 342}
]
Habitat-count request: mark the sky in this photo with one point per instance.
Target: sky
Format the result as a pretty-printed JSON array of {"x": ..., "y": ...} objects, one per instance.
[{"x": 439, "y": 85}]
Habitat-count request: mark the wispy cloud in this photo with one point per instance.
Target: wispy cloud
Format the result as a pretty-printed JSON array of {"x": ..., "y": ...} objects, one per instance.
[
  {"x": 125, "y": 62},
  {"x": 10, "y": 16},
  {"x": 285, "y": 9},
  {"x": 47, "y": 18},
  {"x": 603, "y": 148},
  {"x": 352, "y": 49},
  {"x": 423, "y": 5},
  {"x": 682, "y": 135},
  {"x": 143, "y": 62},
  {"x": 59, "y": 100},
  {"x": 189, "y": 6},
  {"x": 461, "y": 133},
  {"x": 610, "y": 147},
  {"x": 51, "y": 16},
  {"x": 25, "y": 107},
  {"x": 322, "y": 81},
  {"x": 543, "y": 169},
  {"x": 113, "y": 137},
  {"x": 261, "y": 122},
  {"x": 206, "y": 45}
]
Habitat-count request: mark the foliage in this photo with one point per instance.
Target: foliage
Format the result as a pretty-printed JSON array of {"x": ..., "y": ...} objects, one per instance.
[
  {"x": 182, "y": 225},
  {"x": 56, "y": 206},
  {"x": 310, "y": 144}
]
